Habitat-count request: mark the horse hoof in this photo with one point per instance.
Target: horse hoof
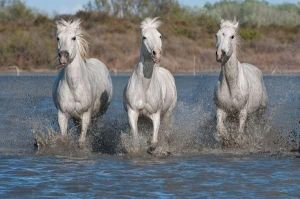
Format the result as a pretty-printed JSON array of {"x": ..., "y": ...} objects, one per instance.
[
  {"x": 82, "y": 144},
  {"x": 225, "y": 142},
  {"x": 240, "y": 140},
  {"x": 152, "y": 148}
]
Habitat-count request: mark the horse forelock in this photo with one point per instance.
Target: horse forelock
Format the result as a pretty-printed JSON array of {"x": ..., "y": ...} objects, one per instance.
[{"x": 150, "y": 23}]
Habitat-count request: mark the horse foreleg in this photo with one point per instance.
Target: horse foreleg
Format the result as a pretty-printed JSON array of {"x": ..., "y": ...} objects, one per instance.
[
  {"x": 156, "y": 123},
  {"x": 221, "y": 129},
  {"x": 85, "y": 122},
  {"x": 63, "y": 123},
  {"x": 133, "y": 119}
]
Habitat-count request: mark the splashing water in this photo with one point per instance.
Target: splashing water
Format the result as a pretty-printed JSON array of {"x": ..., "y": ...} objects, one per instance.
[{"x": 193, "y": 126}]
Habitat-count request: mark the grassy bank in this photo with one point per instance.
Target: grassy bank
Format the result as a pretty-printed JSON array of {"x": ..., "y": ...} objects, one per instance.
[{"x": 268, "y": 40}]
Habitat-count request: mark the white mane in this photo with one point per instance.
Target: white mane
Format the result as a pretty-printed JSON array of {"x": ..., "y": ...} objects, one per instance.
[
  {"x": 74, "y": 26},
  {"x": 150, "y": 23}
]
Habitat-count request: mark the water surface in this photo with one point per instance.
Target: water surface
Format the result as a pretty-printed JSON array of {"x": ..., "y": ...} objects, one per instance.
[{"x": 197, "y": 168}]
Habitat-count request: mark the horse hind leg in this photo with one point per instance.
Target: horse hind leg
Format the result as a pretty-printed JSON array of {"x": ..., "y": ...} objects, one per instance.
[
  {"x": 242, "y": 122},
  {"x": 166, "y": 121},
  {"x": 104, "y": 103},
  {"x": 77, "y": 125}
]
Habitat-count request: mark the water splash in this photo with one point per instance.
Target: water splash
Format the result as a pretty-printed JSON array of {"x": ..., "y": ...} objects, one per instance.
[
  {"x": 191, "y": 133},
  {"x": 193, "y": 124}
]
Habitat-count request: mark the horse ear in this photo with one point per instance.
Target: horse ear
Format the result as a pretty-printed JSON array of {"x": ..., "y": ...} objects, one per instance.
[
  {"x": 60, "y": 24},
  {"x": 221, "y": 22},
  {"x": 234, "y": 19},
  {"x": 236, "y": 25},
  {"x": 57, "y": 23}
]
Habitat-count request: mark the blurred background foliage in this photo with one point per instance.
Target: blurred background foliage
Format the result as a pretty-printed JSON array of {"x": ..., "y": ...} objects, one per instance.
[{"x": 269, "y": 33}]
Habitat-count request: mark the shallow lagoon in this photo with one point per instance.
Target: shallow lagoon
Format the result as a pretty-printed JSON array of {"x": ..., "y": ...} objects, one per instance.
[{"x": 197, "y": 168}]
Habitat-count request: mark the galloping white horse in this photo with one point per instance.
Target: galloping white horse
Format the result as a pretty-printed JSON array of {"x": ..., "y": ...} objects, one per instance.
[
  {"x": 83, "y": 88},
  {"x": 240, "y": 89},
  {"x": 151, "y": 89}
]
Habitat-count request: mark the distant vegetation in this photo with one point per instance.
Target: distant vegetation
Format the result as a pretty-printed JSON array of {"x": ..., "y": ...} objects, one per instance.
[{"x": 269, "y": 34}]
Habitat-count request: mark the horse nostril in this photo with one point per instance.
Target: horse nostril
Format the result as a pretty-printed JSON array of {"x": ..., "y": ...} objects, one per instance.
[
  {"x": 63, "y": 53},
  {"x": 223, "y": 52},
  {"x": 153, "y": 52}
]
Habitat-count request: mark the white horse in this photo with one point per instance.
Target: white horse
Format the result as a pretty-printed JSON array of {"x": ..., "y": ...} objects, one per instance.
[
  {"x": 83, "y": 88},
  {"x": 240, "y": 89},
  {"x": 151, "y": 89}
]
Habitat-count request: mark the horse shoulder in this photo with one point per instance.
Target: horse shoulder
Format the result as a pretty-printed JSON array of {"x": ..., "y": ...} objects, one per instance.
[
  {"x": 221, "y": 91},
  {"x": 134, "y": 94},
  {"x": 55, "y": 88},
  {"x": 62, "y": 95}
]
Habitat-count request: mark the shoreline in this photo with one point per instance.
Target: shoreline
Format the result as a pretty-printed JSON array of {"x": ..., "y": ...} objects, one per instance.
[
  {"x": 126, "y": 73},
  {"x": 6, "y": 71}
]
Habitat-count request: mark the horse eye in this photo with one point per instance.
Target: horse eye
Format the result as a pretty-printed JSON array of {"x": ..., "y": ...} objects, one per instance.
[
  {"x": 57, "y": 38},
  {"x": 232, "y": 37},
  {"x": 160, "y": 36},
  {"x": 144, "y": 38},
  {"x": 73, "y": 38}
]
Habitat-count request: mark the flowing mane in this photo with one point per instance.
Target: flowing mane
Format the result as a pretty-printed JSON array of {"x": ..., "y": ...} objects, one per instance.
[
  {"x": 74, "y": 26},
  {"x": 150, "y": 23}
]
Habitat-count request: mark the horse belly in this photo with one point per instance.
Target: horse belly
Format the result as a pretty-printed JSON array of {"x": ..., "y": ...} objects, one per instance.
[{"x": 255, "y": 102}]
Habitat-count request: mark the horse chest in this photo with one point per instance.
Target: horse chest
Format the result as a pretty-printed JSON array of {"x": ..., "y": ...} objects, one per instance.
[
  {"x": 232, "y": 101},
  {"x": 73, "y": 100},
  {"x": 146, "y": 101}
]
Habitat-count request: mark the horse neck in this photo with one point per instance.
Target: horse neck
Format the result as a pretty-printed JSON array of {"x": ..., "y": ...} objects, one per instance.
[
  {"x": 145, "y": 70},
  {"x": 230, "y": 70},
  {"x": 75, "y": 72}
]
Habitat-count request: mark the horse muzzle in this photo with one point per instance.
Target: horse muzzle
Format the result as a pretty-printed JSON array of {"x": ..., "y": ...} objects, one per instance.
[
  {"x": 156, "y": 55},
  {"x": 220, "y": 55},
  {"x": 64, "y": 57}
]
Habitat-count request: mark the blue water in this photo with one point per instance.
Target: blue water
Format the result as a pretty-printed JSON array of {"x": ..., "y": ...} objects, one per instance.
[{"x": 197, "y": 168}]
